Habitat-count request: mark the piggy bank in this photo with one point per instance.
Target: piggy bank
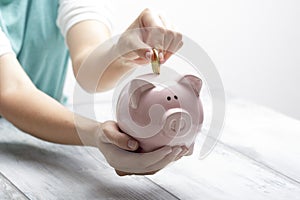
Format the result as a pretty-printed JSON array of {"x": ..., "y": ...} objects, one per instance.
[{"x": 159, "y": 112}]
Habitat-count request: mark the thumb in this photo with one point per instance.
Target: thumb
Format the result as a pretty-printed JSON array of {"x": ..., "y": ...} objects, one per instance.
[{"x": 122, "y": 140}]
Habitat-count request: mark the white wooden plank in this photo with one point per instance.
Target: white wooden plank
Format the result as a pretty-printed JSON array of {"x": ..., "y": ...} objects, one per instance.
[
  {"x": 264, "y": 135},
  {"x": 224, "y": 175},
  {"x": 8, "y": 191},
  {"x": 47, "y": 171}
]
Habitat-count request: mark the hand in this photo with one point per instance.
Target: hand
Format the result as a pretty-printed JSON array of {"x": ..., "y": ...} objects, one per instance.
[
  {"x": 190, "y": 150},
  {"x": 114, "y": 145},
  {"x": 186, "y": 151},
  {"x": 146, "y": 32},
  {"x": 103, "y": 63},
  {"x": 111, "y": 134}
]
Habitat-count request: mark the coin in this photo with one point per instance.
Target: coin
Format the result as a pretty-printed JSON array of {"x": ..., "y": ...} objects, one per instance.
[{"x": 155, "y": 62}]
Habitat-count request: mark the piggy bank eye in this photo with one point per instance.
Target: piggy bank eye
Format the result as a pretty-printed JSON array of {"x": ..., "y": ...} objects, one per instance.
[
  {"x": 175, "y": 97},
  {"x": 168, "y": 98}
]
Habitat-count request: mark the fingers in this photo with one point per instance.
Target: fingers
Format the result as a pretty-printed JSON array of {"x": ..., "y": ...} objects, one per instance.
[
  {"x": 191, "y": 150},
  {"x": 166, "y": 160},
  {"x": 172, "y": 40},
  {"x": 183, "y": 152},
  {"x": 128, "y": 163},
  {"x": 159, "y": 34},
  {"x": 113, "y": 135},
  {"x": 137, "y": 163},
  {"x": 186, "y": 151},
  {"x": 149, "y": 19},
  {"x": 153, "y": 29},
  {"x": 121, "y": 173},
  {"x": 155, "y": 156},
  {"x": 154, "y": 161},
  {"x": 171, "y": 51},
  {"x": 149, "y": 31}
]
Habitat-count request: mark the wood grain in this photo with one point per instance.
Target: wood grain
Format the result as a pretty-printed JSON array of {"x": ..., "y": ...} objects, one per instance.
[
  {"x": 49, "y": 171},
  {"x": 257, "y": 158},
  {"x": 265, "y": 136},
  {"x": 225, "y": 174},
  {"x": 8, "y": 191}
]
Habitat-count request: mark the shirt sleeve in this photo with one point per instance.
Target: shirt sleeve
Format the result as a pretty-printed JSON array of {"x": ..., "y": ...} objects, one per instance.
[
  {"x": 71, "y": 12},
  {"x": 5, "y": 46}
]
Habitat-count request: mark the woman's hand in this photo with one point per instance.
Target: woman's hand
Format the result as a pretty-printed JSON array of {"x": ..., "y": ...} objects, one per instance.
[
  {"x": 111, "y": 134},
  {"x": 149, "y": 31},
  {"x": 98, "y": 62},
  {"x": 134, "y": 48},
  {"x": 116, "y": 147}
]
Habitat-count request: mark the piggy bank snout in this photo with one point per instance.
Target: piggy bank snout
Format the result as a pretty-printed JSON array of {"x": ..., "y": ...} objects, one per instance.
[{"x": 177, "y": 122}]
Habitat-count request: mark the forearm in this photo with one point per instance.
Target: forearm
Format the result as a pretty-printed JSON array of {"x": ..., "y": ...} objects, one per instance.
[
  {"x": 113, "y": 73},
  {"x": 41, "y": 116},
  {"x": 35, "y": 112},
  {"x": 91, "y": 55}
]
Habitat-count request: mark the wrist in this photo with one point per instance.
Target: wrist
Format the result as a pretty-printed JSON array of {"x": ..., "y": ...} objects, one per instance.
[
  {"x": 95, "y": 136},
  {"x": 88, "y": 131}
]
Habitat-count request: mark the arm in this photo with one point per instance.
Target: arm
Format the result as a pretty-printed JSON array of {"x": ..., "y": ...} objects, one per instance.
[
  {"x": 41, "y": 116},
  {"x": 38, "y": 114},
  {"x": 31, "y": 110},
  {"x": 91, "y": 51},
  {"x": 82, "y": 39},
  {"x": 90, "y": 48}
]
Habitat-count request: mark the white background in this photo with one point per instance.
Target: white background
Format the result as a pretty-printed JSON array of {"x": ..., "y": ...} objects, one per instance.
[{"x": 255, "y": 44}]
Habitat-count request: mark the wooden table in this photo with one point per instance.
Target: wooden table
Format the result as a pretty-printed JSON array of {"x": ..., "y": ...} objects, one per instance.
[{"x": 258, "y": 157}]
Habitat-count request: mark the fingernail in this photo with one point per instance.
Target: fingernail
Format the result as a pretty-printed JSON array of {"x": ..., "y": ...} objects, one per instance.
[
  {"x": 132, "y": 144},
  {"x": 148, "y": 55},
  {"x": 161, "y": 57},
  {"x": 184, "y": 151}
]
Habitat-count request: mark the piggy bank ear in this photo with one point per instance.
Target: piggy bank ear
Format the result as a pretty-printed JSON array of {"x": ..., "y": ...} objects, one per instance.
[
  {"x": 136, "y": 89},
  {"x": 192, "y": 81}
]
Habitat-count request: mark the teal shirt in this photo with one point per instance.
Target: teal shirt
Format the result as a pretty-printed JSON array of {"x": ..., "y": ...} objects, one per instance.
[{"x": 30, "y": 25}]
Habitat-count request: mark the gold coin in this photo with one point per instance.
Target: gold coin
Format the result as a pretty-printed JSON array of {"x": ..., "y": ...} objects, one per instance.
[{"x": 155, "y": 62}]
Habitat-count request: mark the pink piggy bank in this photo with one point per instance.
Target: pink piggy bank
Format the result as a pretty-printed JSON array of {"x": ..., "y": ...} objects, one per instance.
[{"x": 159, "y": 112}]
